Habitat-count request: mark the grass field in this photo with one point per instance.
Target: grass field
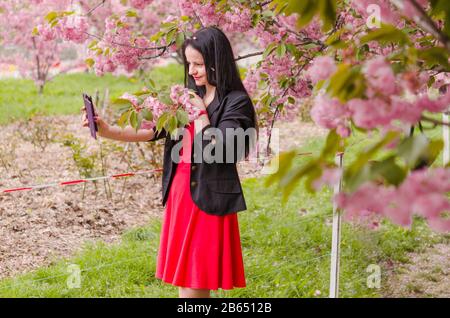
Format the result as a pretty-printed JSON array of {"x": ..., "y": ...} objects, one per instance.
[
  {"x": 286, "y": 248},
  {"x": 19, "y": 98}
]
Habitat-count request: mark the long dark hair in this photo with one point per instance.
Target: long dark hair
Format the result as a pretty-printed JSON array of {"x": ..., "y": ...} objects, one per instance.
[
  {"x": 217, "y": 54},
  {"x": 221, "y": 68}
]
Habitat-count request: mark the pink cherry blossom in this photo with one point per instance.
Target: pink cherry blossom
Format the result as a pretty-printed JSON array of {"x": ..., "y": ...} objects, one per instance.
[
  {"x": 140, "y": 4},
  {"x": 330, "y": 177},
  {"x": 74, "y": 28},
  {"x": 424, "y": 193},
  {"x": 329, "y": 113},
  {"x": 322, "y": 67},
  {"x": 131, "y": 98},
  {"x": 380, "y": 76}
]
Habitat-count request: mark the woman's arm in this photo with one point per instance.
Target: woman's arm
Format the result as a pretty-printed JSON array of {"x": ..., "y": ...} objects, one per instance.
[{"x": 128, "y": 134}]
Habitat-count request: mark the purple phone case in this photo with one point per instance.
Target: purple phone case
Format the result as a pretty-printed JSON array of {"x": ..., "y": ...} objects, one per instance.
[{"x": 90, "y": 115}]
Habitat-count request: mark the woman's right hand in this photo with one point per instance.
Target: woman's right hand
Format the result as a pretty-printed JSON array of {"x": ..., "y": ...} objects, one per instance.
[{"x": 102, "y": 126}]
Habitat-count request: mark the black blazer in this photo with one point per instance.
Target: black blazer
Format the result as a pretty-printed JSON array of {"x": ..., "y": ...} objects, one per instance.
[{"x": 215, "y": 187}]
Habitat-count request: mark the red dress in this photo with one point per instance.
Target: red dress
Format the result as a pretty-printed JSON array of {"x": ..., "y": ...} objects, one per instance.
[{"x": 197, "y": 250}]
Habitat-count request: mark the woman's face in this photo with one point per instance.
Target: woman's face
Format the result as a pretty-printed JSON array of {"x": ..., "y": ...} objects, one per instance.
[{"x": 196, "y": 65}]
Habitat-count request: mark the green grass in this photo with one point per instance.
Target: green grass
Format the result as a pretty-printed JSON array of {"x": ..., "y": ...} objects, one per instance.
[
  {"x": 19, "y": 98},
  {"x": 286, "y": 253}
]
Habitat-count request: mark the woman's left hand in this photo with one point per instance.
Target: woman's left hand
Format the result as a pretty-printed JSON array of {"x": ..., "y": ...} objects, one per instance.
[{"x": 197, "y": 101}]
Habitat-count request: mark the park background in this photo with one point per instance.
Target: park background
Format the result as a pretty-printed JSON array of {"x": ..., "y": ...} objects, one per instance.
[{"x": 110, "y": 229}]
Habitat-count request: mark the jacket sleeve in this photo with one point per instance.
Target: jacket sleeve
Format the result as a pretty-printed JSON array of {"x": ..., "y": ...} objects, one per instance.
[
  {"x": 159, "y": 135},
  {"x": 238, "y": 116}
]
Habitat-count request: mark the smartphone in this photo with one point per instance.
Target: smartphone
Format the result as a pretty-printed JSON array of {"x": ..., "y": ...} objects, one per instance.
[{"x": 90, "y": 111}]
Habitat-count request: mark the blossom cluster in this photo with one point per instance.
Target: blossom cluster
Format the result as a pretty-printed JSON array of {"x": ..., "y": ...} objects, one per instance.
[
  {"x": 423, "y": 193},
  {"x": 384, "y": 102},
  {"x": 180, "y": 98}
]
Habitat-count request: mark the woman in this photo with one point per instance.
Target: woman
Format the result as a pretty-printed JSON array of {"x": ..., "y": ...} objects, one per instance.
[{"x": 200, "y": 247}]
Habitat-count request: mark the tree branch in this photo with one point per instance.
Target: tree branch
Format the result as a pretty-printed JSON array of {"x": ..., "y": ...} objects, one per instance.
[
  {"x": 426, "y": 22},
  {"x": 94, "y": 8},
  {"x": 129, "y": 45},
  {"x": 434, "y": 121},
  {"x": 248, "y": 55},
  {"x": 164, "y": 49}
]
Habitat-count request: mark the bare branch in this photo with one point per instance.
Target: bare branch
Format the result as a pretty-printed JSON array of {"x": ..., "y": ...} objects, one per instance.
[
  {"x": 426, "y": 23},
  {"x": 94, "y": 8},
  {"x": 129, "y": 45},
  {"x": 434, "y": 121},
  {"x": 164, "y": 49},
  {"x": 248, "y": 55}
]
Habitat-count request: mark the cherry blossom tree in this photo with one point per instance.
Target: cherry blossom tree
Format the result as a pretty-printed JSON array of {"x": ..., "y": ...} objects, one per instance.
[
  {"x": 30, "y": 44},
  {"x": 375, "y": 66}
]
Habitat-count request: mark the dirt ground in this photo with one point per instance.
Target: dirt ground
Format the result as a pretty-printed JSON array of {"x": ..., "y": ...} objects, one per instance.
[{"x": 427, "y": 274}]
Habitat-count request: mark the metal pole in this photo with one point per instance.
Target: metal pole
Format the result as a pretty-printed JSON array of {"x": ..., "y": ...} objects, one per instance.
[
  {"x": 336, "y": 236},
  {"x": 446, "y": 137}
]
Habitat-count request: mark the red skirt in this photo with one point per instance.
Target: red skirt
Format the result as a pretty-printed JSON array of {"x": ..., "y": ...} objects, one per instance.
[{"x": 197, "y": 250}]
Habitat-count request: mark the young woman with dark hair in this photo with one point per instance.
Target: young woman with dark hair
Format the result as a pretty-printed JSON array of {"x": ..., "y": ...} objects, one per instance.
[{"x": 200, "y": 248}]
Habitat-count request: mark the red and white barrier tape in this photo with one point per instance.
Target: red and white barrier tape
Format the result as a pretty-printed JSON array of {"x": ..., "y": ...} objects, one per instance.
[{"x": 64, "y": 183}]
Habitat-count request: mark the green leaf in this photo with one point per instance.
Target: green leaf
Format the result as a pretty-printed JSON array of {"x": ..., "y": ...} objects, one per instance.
[
  {"x": 284, "y": 160},
  {"x": 412, "y": 148},
  {"x": 335, "y": 41},
  {"x": 139, "y": 121},
  {"x": 354, "y": 180},
  {"x": 270, "y": 48},
  {"x": 346, "y": 83},
  {"x": 385, "y": 35},
  {"x": 171, "y": 125},
  {"x": 435, "y": 56},
  {"x": 306, "y": 9},
  {"x": 313, "y": 174},
  {"x": 131, "y": 13},
  {"x": 92, "y": 44},
  {"x": 291, "y": 180},
  {"x": 89, "y": 62},
  {"x": 327, "y": 10},
  {"x": 281, "y": 50},
  {"x": 363, "y": 157},
  {"x": 120, "y": 101},
  {"x": 170, "y": 35},
  {"x": 162, "y": 120},
  {"x": 54, "y": 23},
  {"x": 123, "y": 119},
  {"x": 146, "y": 114},
  {"x": 51, "y": 16},
  {"x": 151, "y": 83},
  {"x": 361, "y": 52},
  {"x": 255, "y": 19},
  {"x": 332, "y": 145},
  {"x": 182, "y": 117},
  {"x": 133, "y": 119},
  {"x": 389, "y": 170},
  {"x": 180, "y": 39},
  {"x": 155, "y": 37}
]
